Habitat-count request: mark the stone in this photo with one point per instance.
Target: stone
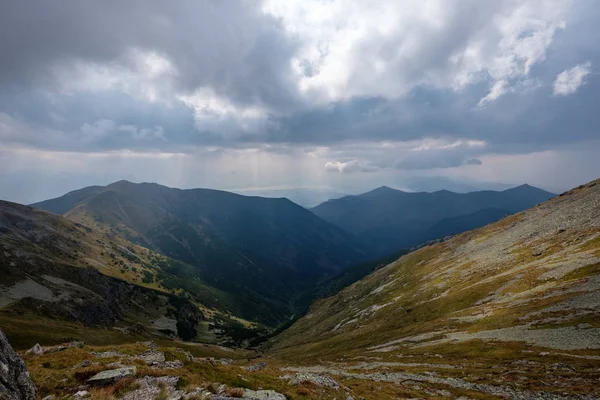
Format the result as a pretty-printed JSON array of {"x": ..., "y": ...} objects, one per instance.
[
  {"x": 82, "y": 364},
  {"x": 81, "y": 394},
  {"x": 111, "y": 375},
  {"x": 116, "y": 364},
  {"x": 168, "y": 365},
  {"x": 263, "y": 395},
  {"x": 256, "y": 367},
  {"x": 319, "y": 380},
  {"x": 35, "y": 350},
  {"x": 109, "y": 354},
  {"x": 150, "y": 387},
  {"x": 187, "y": 354},
  {"x": 226, "y": 361},
  {"x": 152, "y": 357},
  {"x": 15, "y": 383}
]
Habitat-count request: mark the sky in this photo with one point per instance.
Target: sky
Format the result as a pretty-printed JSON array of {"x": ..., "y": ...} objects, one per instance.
[{"x": 327, "y": 95}]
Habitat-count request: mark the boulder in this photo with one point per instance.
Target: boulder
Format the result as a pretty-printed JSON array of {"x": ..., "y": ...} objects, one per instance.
[
  {"x": 256, "y": 367},
  {"x": 111, "y": 375},
  {"x": 263, "y": 395},
  {"x": 35, "y": 350},
  {"x": 15, "y": 383}
]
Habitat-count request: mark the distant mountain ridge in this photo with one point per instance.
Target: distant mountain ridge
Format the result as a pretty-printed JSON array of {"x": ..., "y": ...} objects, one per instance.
[
  {"x": 388, "y": 219},
  {"x": 263, "y": 251}
]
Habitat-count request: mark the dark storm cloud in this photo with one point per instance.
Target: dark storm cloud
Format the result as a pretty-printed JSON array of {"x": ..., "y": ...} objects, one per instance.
[
  {"x": 78, "y": 76},
  {"x": 230, "y": 45}
]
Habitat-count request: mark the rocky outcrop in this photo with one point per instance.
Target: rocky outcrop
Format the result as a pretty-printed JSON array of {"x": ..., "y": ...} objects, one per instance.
[
  {"x": 112, "y": 375},
  {"x": 15, "y": 383}
]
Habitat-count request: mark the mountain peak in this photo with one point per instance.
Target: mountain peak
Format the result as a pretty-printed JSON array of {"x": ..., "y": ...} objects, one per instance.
[
  {"x": 122, "y": 182},
  {"x": 525, "y": 186},
  {"x": 381, "y": 190}
]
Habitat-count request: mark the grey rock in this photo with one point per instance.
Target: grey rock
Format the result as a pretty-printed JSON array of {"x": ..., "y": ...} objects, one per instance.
[
  {"x": 150, "y": 344},
  {"x": 152, "y": 357},
  {"x": 15, "y": 383},
  {"x": 150, "y": 387},
  {"x": 187, "y": 354},
  {"x": 109, "y": 354},
  {"x": 263, "y": 395},
  {"x": 112, "y": 375},
  {"x": 35, "y": 350},
  {"x": 82, "y": 364},
  {"x": 61, "y": 347},
  {"x": 256, "y": 367},
  {"x": 81, "y": 394},
  {"x": 225, "y": 361},
  {"x": 157, "y": 360},
  {"x": 116, "y": 364},
  {"x": 319, "y": 380},
  {"x": 168, "y": 365}
]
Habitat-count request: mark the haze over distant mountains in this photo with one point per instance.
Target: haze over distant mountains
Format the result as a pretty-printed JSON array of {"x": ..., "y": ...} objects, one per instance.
[
  {"x": 388, "y": 219},
  {"x": 305, "y": 197}
]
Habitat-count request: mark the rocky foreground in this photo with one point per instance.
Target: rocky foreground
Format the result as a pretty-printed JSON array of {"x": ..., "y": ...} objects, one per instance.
[{"x": 145, "y": 371}]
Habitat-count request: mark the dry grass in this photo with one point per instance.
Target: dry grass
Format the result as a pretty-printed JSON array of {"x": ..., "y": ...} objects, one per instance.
[
  {"x": 84, "y": 374},
  {"x": 303, "y": 391},
  {"x": 115, "y": 390},
  {"x": 235, "y": 392},
  {"x": 213, "y": 388}
]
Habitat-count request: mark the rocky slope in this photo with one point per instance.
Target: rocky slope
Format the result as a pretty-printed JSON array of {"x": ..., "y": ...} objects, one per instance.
[
  {"x": 508, "y": 310},
  {"x": 389, "y": 220},
  {"x": 15, "y": 383},
  {"x": 262, "y": 251}
]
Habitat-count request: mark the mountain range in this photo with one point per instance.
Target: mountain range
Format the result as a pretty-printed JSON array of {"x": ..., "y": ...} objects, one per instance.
[
  {"x": 507, "y": 310},
  {"x": 261, "y": 251},
  {"x": 264, "y": 260},
  {"x": 388, "y": 220}
]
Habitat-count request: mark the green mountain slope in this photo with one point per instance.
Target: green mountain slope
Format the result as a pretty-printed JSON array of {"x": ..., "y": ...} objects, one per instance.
[
  {"x": 53, "y": 268},
  {"x": 262, "y": 251},
  {"x": 532, "y": 277},
  {"x": 61, "y": 205},
  {"x": 389, "y": 220},
  {"x": 521, "y": 294}
]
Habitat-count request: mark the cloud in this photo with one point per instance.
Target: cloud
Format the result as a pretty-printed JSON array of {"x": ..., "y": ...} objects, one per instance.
[
  {"x": 567, "y": 82},
  {"x": 436, "y": 153},
  {"x": 269, "y": 92},
  {"x": 348, "y": 167},
  {"x": 386, "y": 48}
]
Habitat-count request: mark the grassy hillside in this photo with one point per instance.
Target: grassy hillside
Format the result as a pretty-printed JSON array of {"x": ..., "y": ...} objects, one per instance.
[
  {"x": 519, "y": 297},
  {"x": 60, "y": 270}
]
